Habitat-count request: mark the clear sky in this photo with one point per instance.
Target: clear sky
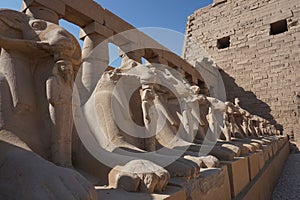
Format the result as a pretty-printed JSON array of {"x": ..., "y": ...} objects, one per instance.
[{"x": 170, "y": 15}]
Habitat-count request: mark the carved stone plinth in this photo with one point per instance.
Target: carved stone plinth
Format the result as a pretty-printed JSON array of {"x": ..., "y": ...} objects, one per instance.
[
  {"x": 171, "y": 193},
  {"x": 212, "y": 183},
  {"x": 238, "y": 171},
  {"x": 254, "y": 164}
]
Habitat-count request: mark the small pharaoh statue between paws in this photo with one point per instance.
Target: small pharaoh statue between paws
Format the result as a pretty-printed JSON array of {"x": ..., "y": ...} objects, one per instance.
[
  {"x": 59, "y": 95},
  {"x": 147, "y": 97}
]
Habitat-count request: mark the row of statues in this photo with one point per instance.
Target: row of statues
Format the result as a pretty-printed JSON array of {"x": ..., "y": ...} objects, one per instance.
[
  {"x": 167, "y": 119},
  {"x": 240, "y": 123},
  {"x": 145, "y": 122}
]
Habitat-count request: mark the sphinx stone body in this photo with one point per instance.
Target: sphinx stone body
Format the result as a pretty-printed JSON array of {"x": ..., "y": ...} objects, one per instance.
[{"x": 29, "y": 47}]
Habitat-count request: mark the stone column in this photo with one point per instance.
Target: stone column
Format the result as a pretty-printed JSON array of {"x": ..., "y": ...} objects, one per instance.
[{"x": 95, "y": 59}]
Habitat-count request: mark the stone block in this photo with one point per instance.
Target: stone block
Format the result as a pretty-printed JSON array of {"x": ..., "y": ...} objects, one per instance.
[
  {"x": 262, "y": 187},
  {"x": 220, "y": 190},
  {"x": 115, "y": 23},
  {"x": 275, "y": 147},
  {"x": 254, "y": 164},
  {"x": 212, "y": 183},
  {"x": 80, "y": 12},
  {"x": 261, "y": 159},
  {"x": 95, "y": 27},
  {"x": 238, "y": 171},
  {"x": 56, "y": 5},
  {"x": 171, "y": 193},
  {"x": 283, "y": 140},
  {"x": 268, "y": 153}
]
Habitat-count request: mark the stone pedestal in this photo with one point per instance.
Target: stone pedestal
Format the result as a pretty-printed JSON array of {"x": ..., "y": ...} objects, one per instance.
[
  {"x": 249, "y": 177},
  {"x": 254, "y": 164},
  {"x": 262, "y": 186},
  {"x": 238, "y": 171},
  {"x": 267, "y": 151},
  {"x": 212, "y": 183},
  {"x": 275, "y": 147},
  {"x": 261, "y": 159},
  {"x": 171, "y": 193}
]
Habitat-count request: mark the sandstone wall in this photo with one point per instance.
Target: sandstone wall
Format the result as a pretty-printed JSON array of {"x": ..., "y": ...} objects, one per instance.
[{"x": 261, "y": 66}]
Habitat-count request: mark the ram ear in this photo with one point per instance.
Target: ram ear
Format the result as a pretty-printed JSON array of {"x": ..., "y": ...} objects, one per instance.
[{"x": 14, "y": 19}]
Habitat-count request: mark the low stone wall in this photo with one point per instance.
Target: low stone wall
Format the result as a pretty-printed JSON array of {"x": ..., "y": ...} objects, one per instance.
[
  {"x": 262, "y": 185},
  {"x": 250, "y": 177}
]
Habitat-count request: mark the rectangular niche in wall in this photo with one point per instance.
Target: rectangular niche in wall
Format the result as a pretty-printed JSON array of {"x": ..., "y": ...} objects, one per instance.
[
  {"x": 278, "y": 27},
  {"x": 223, "y": 43}
]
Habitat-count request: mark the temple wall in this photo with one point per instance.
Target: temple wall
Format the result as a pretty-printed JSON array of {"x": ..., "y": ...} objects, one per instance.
[{"x": 256, "y": 45}]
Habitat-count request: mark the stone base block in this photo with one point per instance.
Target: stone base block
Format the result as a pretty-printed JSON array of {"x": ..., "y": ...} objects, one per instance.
[
  {"x": 267, "y": 151},
  {"x": 238, "y": 171},
  {"x": 171, "y": 193},
  {"x": 261, "y": 159},
  {"x": 282, "y": 140},
  {"x": 212, "y": 183},
  {"x": 250, "y": 177},
  {"x": 253, "y": 164},
  {"x": 275, "y": 147},
  {"x": 262, "y": 186}
]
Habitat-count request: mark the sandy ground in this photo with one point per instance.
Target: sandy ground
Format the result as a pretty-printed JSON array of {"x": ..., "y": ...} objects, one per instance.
[{"x": 288, "y": 187}]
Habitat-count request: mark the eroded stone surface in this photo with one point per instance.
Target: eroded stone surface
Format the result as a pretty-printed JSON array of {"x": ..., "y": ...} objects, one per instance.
[{"x": 37, "y": 117}]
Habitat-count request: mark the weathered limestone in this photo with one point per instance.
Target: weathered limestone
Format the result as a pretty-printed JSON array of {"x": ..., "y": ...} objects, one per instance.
[
  {"x": 211, "y": 184},
  {"x": 217, "y": 2},
  {"x": 259, "y": 188},
  {"x": 127, "y": 79},
  {"x": 59, "y": 95},
  {"x": 238, "y": 171},
  {"x": 267, "y": 178},
  {"x": 37, "y": 7},
  {"x": 146, "y": 120},
  {"x": 95, "y": 60},
  {"x": 171, "y": 193},
  {"x": 120, "y": 177},
  {"x": 90, "y": 16},
  {"x": 26, "y": 130},
  {"x": 254, "y": 164}
]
